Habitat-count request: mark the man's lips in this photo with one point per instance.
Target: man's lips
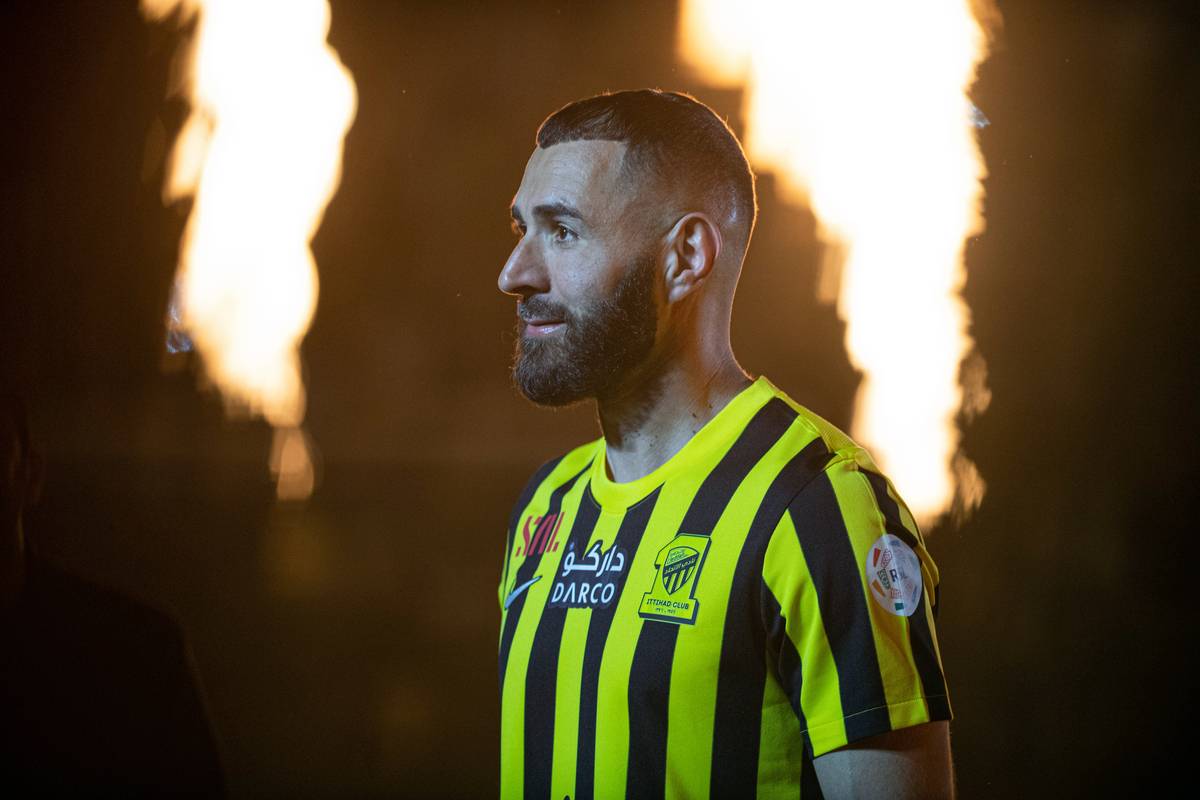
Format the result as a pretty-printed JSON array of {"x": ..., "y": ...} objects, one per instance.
[{"x": 541, "y": 326}]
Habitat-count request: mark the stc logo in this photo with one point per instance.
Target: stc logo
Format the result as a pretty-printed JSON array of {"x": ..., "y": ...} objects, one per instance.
[{"x": 543, "y": 537}]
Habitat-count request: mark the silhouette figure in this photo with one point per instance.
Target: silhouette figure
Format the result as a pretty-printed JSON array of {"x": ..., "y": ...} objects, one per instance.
[{"x": 97, "y": 691}]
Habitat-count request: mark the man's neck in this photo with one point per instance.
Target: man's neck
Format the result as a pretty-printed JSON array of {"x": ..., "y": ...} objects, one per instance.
[{"x": 649, "y": 423}]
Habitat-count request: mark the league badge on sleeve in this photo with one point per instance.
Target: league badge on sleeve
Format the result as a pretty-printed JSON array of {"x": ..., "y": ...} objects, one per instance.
[
  {"x": 677, "y": 568},
  {"x": 894, "y": 575}
]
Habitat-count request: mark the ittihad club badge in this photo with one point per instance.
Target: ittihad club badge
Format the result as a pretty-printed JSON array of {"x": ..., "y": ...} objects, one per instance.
[{"x": 677, "y": 569}]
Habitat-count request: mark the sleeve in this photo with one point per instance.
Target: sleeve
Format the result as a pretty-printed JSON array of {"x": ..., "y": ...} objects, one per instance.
[{"x": 847, "y": 601}]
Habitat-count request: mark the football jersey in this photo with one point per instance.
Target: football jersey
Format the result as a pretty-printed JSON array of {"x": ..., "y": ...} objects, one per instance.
[{"x": 709, "y": 629}]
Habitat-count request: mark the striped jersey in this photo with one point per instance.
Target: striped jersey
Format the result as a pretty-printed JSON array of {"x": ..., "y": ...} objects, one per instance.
[{"x": 708, "y": 630}]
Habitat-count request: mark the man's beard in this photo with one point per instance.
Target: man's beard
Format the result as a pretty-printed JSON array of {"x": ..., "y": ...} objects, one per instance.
[{"x": 596, "y": 348}]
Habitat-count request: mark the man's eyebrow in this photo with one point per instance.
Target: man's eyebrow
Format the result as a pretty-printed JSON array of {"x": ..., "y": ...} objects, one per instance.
[
  {"x": 557, "y": 209},
  {"x": 548, "y": 211}
]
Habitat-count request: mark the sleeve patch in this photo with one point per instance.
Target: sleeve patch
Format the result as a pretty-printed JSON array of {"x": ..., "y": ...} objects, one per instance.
[{"x": 893, "y": 572}]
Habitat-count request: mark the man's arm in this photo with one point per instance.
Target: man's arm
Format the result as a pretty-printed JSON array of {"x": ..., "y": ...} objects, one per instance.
[
  {"x": 902, "y": 764},
  {"x": 881, "y": 724}
]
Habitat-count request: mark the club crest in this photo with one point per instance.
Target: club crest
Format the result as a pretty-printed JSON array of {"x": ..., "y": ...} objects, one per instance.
[
  {"x": 672, "y": 594},
  {"x": 677, "y": 567}
]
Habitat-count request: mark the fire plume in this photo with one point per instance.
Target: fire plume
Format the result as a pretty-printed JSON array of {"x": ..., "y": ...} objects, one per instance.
[
  {"x": 861, "y": 108},
  {"x": 260, "y": 155}
]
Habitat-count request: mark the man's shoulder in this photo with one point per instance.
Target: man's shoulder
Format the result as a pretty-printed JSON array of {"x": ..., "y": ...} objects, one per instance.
[
  {"x": 850, "y": 477},
  {"x": 815, "y": 447},
  {"x": 811, "y": 430}
]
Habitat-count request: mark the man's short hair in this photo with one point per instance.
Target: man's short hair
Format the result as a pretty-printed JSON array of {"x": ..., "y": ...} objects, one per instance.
[{"x": 675, "y": 139}]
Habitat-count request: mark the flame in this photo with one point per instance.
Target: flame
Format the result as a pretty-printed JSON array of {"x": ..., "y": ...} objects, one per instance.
[
  {"x": 260, "y": 154},
  {"x": 862, "y": 109}
]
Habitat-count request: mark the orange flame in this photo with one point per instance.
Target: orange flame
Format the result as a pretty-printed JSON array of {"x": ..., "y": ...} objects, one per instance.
[
  {"x": 862, "y": 109},
  {"x": 260, "y": 154}
]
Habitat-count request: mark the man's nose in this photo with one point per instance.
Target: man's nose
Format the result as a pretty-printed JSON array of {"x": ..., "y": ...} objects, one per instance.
[{"x": 524, "y": 273}]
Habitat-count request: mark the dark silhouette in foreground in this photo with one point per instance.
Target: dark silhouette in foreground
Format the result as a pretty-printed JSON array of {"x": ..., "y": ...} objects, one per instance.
[{"x": 97, "y": 690}]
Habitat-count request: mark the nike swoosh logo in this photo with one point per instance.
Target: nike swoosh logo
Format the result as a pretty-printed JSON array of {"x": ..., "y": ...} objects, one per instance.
[{"x": 517, "y": 591}]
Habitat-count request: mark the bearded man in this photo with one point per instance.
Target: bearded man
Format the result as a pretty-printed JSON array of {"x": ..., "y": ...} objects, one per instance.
[{"x": 721, "y": 596}]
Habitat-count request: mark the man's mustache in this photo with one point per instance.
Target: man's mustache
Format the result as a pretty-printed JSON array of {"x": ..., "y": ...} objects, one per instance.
[{"x": 536, "y": 308}]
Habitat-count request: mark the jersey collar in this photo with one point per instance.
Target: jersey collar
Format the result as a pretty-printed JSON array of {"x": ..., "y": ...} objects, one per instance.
[{"x": 701, "y": 452}]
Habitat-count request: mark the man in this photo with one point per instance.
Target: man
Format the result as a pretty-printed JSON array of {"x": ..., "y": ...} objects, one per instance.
[
  {"x": 97, "y": 691},
  {"x": 721, "y": 596}
]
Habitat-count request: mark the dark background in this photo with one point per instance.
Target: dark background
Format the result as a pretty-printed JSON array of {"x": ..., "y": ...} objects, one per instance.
[{"x": 348, "y": 646}]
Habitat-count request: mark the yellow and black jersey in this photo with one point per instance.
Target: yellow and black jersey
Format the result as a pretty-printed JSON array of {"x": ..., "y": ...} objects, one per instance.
[{"x": 760, "y": 599}]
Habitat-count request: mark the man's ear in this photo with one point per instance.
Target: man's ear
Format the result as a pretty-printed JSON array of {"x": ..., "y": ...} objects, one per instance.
[{"x": 692, "y": 248}]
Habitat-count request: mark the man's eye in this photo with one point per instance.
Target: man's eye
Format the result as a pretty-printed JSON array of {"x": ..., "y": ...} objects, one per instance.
[{"x": 563, "y": 234}]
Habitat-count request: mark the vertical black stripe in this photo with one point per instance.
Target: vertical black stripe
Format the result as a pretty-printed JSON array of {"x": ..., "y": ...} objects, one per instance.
[
  {"x": 742, "y": 674},
  {"x": 837, "y": 579},
  {"x": 649, "y": 695},
  {"x": 920, "y": 636},
  {"x": 541, "y": 676},
  {"x": 787, "y": 661},
  {"x": 522, "y": 501},
  {"x": 628, "y": 537},
  {"x": 771, "y": 422},
  {"x": 892, "y": 521},
  {"x": 524, "y": 573},
  {"x": 788, "y": 670},
  {"x": 650, "y": 673}
]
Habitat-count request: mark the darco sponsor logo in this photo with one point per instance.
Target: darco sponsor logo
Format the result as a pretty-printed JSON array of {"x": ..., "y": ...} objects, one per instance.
[{"x": 590, "y": 581}]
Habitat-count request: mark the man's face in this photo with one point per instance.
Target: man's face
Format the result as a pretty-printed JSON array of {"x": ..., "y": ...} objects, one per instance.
[{"x": 585, "y": 271}]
